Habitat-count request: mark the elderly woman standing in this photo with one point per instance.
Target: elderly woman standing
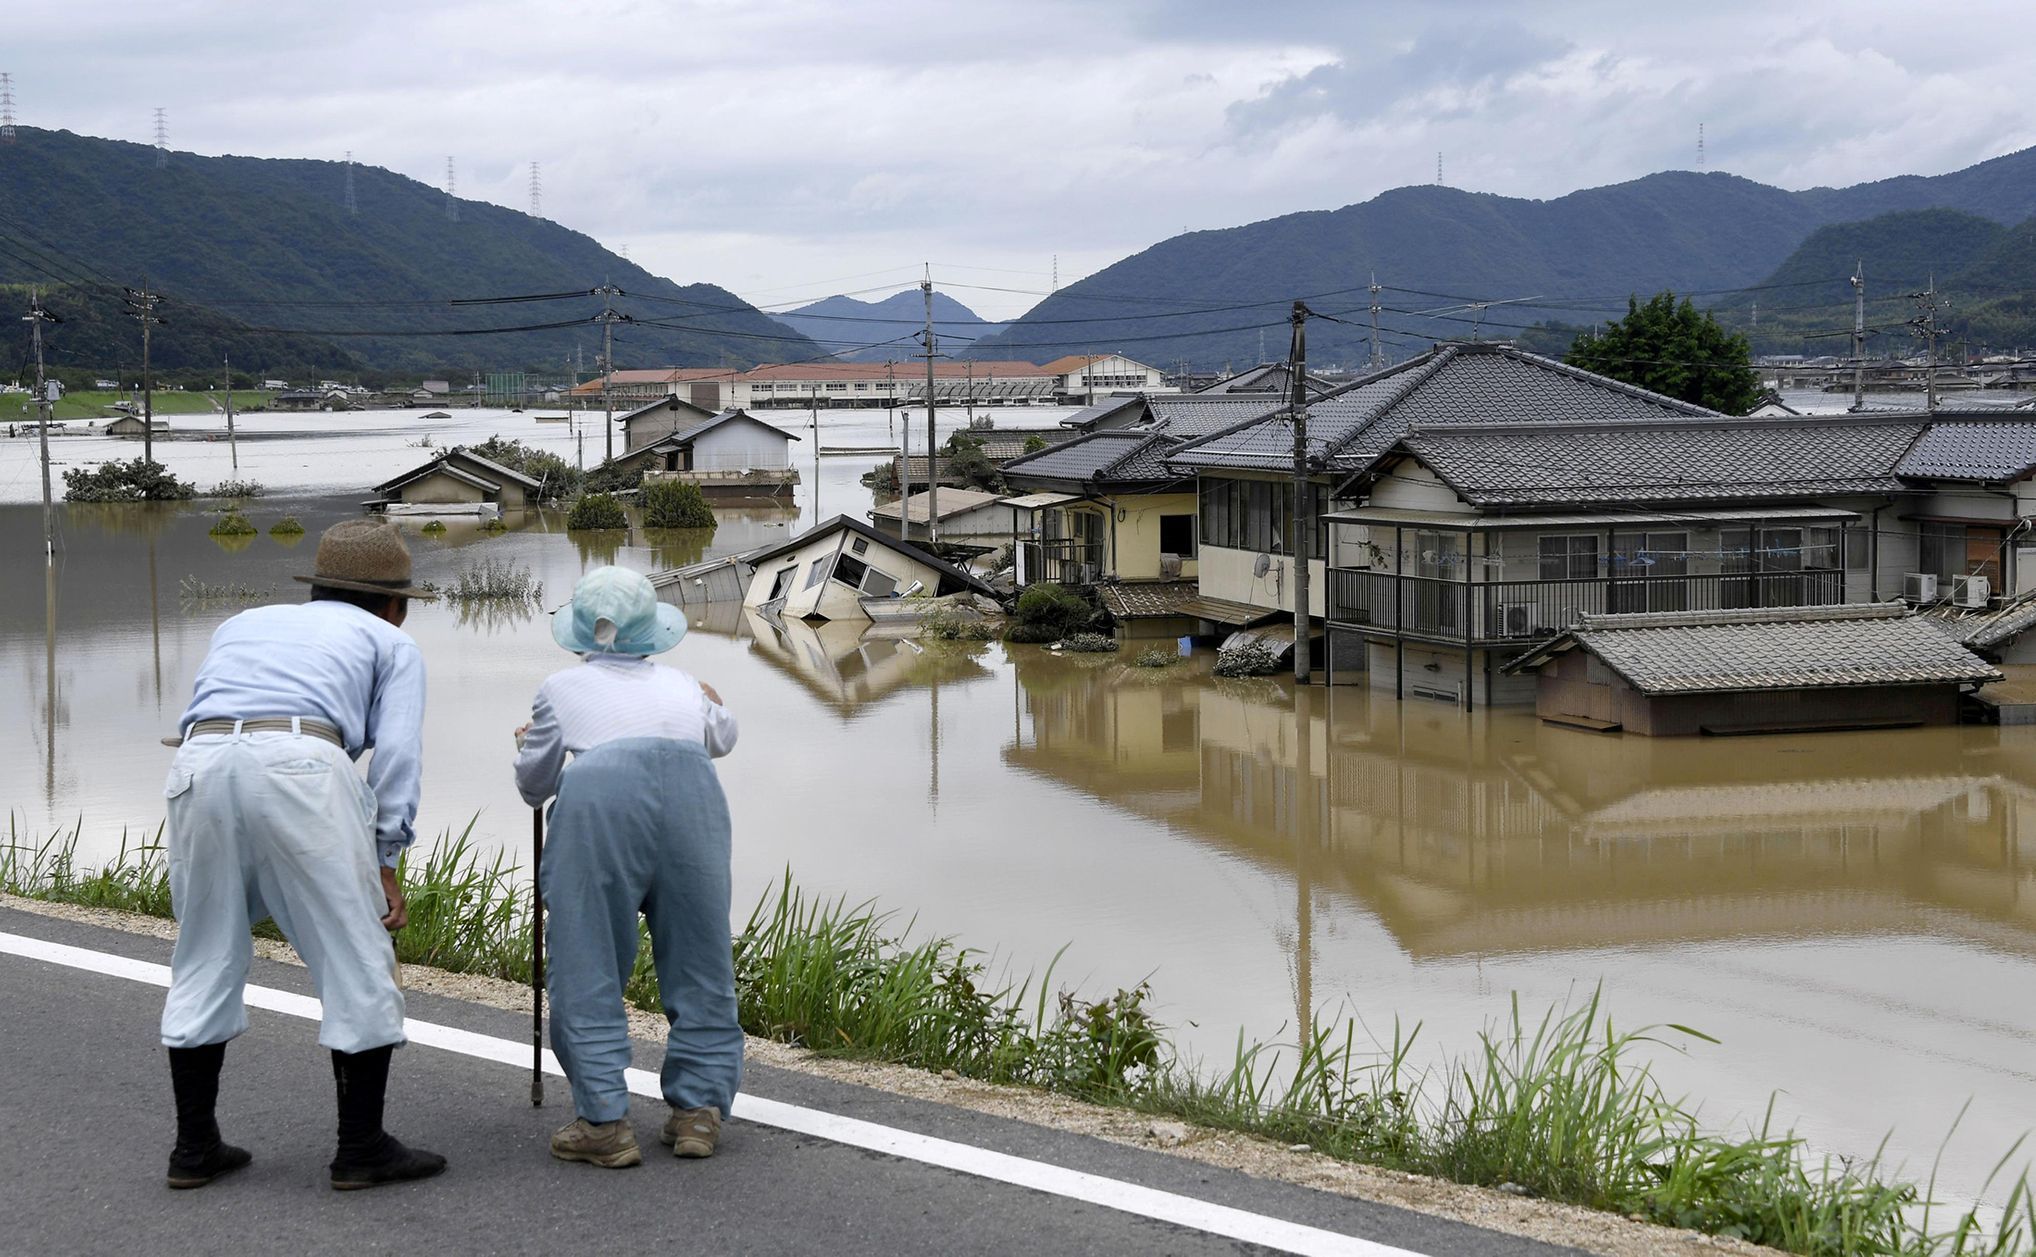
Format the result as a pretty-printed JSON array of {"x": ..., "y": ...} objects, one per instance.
[{"x": 639, "y": 825}]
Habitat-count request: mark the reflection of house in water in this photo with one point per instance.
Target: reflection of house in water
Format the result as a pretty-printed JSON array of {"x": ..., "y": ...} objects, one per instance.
[
  {"x": 1504, "y": 836},
  {"x": 847, "y": 670}
]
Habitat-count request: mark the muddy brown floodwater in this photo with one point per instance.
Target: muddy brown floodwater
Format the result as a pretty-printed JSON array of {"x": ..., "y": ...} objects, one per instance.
[{"x": 1853, "y": 915}]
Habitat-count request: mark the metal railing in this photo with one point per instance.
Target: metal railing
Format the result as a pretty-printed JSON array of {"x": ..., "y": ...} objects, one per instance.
[
  {"x": 1504, "y": 611},
  {"x": 1063, "y": 562}
]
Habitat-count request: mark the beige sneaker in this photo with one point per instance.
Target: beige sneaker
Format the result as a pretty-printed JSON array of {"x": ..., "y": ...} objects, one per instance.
[
  {"x": 610, "y": 1145},
  {"x": 692, "y": 1132}
]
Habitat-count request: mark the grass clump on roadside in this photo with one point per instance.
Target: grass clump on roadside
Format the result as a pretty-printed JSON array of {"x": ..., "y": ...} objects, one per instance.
[
  {"x": 232, "y": 524},
  {"x": 238, "y": 489},
  {"x": 288, "y": 526},
  {"x": 193, "y": 589},
  {"x": 1156, "y": 657},
  {"x": 1561, "y": 1105},
  {"x": 595, "y": 511},
  {"x": 675, "y": 504}
]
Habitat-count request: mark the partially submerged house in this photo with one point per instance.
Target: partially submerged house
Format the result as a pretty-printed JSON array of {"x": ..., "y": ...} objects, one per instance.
[
  {"x": 457, "y": 482},
  {"x": 826, "y": 572},
  {"x": 135, "y": 426},
  {"x": 732, "y": 452},
  {"x": 1759, "y": 670},
  {"x": 966, "y": 517}
]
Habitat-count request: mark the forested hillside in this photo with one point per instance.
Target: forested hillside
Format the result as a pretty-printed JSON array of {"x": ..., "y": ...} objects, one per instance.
[
  {"x": 1437, "y": 251},
  {"x": 271, "y": 243}
]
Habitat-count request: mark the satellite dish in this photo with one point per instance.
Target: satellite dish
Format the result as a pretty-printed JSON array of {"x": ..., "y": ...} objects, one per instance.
[{"x": 1260, "y": 564}]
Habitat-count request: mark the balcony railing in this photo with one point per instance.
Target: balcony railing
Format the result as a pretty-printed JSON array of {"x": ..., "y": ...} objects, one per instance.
[
  {"x": 1063, "y": 562},
  {"x": 1508, "y": 611}
]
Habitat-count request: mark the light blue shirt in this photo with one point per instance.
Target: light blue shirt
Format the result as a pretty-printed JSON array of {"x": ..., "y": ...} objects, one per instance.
[
  {"x": 335, "y": 662},
  {"x": 608, "y": 698}
]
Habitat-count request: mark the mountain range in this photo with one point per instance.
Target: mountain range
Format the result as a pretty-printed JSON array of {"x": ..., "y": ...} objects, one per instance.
[
  {"x": 1208, "y": 298},
  {"x": 271, "y": 243},
  {"x": 889, "y": 328}
]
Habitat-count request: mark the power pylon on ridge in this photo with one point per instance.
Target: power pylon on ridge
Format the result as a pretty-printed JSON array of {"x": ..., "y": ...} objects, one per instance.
[
  {"x": 1700, "y": 146},
  {"x": 162, "y": 138},
  {"x": 353, "y": 206},
  {"x": 536, "y": 193},
  {"x": 6, "y": 109},
  {"x": 452, "y": 205}
]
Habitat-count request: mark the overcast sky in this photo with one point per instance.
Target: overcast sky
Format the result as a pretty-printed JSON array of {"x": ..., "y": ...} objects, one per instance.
[{"x": 787, "y": 149}]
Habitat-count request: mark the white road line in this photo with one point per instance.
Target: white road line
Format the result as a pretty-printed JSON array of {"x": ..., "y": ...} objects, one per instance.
[{"x": 1095, "y": 1189}]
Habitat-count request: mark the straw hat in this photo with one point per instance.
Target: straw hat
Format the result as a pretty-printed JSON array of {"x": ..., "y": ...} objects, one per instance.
[
  {"x": 366, "y": 555},
  {"x": 615, "y": 611}
]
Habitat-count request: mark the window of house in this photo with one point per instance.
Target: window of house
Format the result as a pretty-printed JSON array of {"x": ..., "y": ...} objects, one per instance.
[
  {"x": 1219, "y": 513},
  {"x": 1858, "y": 549},
  {"x": 1569, "y": 557},
  {"x": 879, "y": 584},
  {"x": 818, "y": 572},
  {"x": 850, "y": 571},
  {"x": 782, "y": 583},
  {"x": 861, "y": 545},
  {"x": 1177, "y": 535},
  {"x": 1941, "y": 549}
]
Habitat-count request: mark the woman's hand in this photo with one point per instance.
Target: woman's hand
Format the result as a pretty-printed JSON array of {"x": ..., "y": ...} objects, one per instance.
[{"x": 520, "y": 731}]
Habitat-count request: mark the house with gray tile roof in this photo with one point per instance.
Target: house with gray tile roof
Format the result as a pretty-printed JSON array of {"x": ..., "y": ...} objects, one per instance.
[{"x": 1872, "y": 665}]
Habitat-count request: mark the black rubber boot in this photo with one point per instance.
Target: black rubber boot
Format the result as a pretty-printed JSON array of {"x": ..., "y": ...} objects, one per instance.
[
  {"x": 369, "y": 1156},
  {"x": 200, "y": 1155}
]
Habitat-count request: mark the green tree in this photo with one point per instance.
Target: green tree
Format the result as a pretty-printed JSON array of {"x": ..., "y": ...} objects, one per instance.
[
  {"x": 596, "y": 510},
  {"x": 1674, "y": 349},
  {"x": 675, "y": 504},
  {"x": 967, "y": 463}
]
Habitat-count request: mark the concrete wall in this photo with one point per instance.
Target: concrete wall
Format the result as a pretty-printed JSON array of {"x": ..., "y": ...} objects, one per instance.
[
  {"x": 1227, "y": 574},
  {"x": 1454, "y": 675}
]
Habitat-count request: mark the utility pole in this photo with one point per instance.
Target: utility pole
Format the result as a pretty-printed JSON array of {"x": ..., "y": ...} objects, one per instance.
[
  {"x": 142, "y": 304},
  {"x": 1925, "y": 325},
  {"x": 932, "y": 437},
  {"x": 1300, "y": 549},
  {"x": 36, "y": 317},
  {"x": 1376, "y": 361},
  {"x": 608, "y": 293},
  {"x": 1859, "y": 335},
  {"x": 232, "y": 446}
]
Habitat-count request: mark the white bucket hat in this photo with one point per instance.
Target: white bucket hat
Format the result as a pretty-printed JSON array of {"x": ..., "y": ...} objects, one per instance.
[{"x": 615, "y": 611}]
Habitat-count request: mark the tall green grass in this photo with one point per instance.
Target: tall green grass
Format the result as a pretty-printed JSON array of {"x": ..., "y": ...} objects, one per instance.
[{"x": 1563, "y": 1105}]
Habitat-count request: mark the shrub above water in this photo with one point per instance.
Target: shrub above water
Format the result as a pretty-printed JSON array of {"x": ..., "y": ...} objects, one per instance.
[
  {"x": 675, "y": 504},
  {"x": 1047, "y": 612},
  {"x": 136, "y": 480},
  {"x": 232, "y": 524},
  {"x": 1089, "y": 643},
  {"x": 288, "y": 526},
  {"x": 596, "y": 510},
  {"x": 1247, "y": 659},
  {"x": 238, "y": 489}
]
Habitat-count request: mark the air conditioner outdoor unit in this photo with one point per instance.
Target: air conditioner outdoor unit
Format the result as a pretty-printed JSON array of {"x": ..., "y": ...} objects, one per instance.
[
  {"x": 1971, "y": 591},
  {"x": 1919, "y": 587},
  {"x": 1517, "y": 619}
]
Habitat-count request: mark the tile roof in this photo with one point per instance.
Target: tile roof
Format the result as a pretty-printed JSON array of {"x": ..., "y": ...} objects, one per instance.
[
  {"x": 708, "y": 424},
  {"x": 1267, "y": 377},
  {"x": 1456, "y": 384},
  {"x": 1093, "y": 456},
  {"x": 1761, "y": 459},
  {"x": 1990, "y": 628},
  {"x": 1071, "y": 362},
  {"x": 1987, "y": 450},
  {"x": 1146, "y": 599},
  {"x": 1710, "y": 652}
]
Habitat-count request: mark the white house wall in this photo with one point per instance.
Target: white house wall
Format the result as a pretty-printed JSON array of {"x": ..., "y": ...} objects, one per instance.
[
  {"x": 739, "y": 446},
  {"x": 1412, "y": 487}
]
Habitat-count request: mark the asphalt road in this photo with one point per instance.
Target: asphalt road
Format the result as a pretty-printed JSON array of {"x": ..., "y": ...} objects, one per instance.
[{"x": 85, "y": 1107}]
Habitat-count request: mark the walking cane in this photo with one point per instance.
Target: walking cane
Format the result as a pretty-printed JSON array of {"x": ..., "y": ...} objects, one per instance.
[{"x": 536, "y": 959}]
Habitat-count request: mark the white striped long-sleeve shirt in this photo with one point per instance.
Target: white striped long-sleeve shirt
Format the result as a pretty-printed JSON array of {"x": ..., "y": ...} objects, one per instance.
[{"x": 607, "y": 698}]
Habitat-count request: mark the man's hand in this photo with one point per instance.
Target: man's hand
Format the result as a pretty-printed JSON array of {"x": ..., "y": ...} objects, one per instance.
[
  {"x": 399, "y": 912},
  {"x": 708, "y": 690},
  {"x": 520, "y": 731}
]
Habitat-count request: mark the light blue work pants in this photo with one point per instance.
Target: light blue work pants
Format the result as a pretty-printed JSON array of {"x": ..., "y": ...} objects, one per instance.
[
  {"x": 276, "y": 825},
  {"x": 641, "y": 825}
]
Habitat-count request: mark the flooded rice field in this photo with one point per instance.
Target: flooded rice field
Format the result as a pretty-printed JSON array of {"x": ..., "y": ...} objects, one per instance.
[{"x": 1853, "y": 915}]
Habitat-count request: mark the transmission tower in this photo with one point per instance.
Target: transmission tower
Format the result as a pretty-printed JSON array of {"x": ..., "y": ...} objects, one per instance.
[
  {"x": 1438, "y": 169},
  {"x": 353, "y": 207},
  {"x": 1700, "y": 146},
  {"x": 452, "y": 206},
  {"x": 6, "y": 109},
  {"x": 162, "y": 139},
  {"x": 536, "y": 193}
]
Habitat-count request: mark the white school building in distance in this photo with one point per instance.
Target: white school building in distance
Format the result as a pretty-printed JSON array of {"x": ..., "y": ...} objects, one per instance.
[{"x": 1078, "y": 379}]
